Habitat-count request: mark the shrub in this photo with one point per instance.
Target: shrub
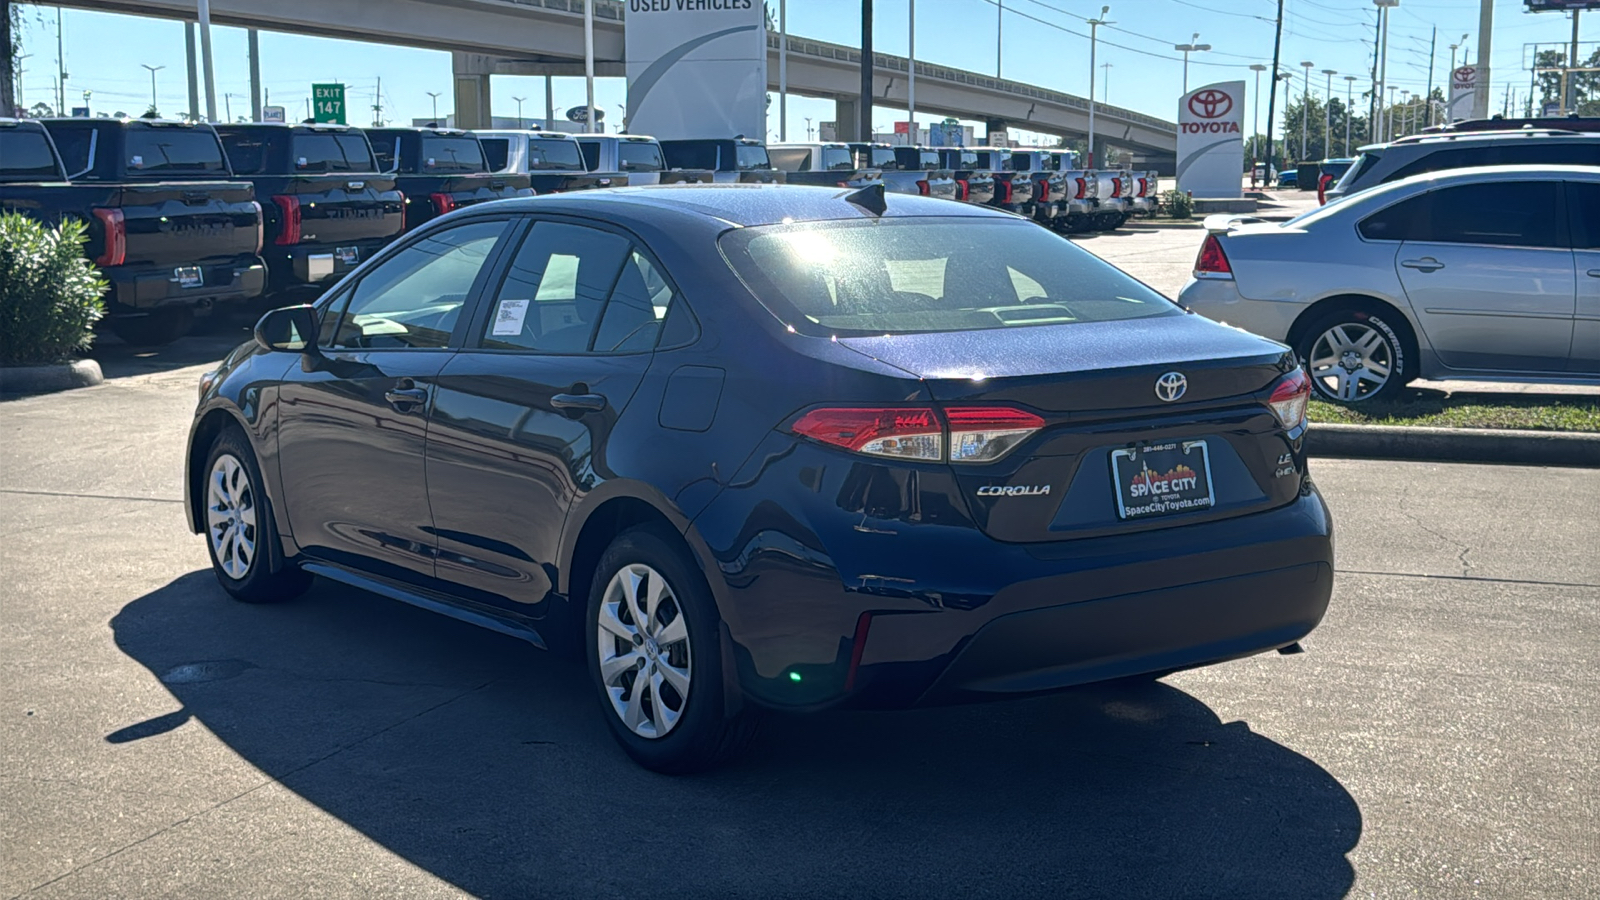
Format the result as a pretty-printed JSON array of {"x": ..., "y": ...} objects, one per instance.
[
  {"x": 49, "y": 294},
  {"x": 1179, "y": 204}
]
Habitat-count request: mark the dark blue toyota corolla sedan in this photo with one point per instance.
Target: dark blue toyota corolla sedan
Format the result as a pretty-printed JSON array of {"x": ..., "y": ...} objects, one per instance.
[{"x": 749, "y": 447}]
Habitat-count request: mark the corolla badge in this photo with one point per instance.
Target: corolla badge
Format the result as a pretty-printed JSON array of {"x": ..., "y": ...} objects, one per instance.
[
  {"x": 1014, "y": 490},
  {"x": 1171, "y": 386}
]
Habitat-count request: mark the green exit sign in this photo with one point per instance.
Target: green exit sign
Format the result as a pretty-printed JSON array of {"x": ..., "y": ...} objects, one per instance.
[{"x": 327, "y": 103}]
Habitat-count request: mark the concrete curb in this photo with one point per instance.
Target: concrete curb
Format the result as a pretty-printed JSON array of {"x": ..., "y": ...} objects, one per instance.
[
  {"x": 1482, "y": 445},
  {"x": 45, "y": 379}
]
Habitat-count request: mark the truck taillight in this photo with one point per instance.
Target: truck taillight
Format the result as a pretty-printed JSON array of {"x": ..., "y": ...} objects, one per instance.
[
  {"x": 289, "y": 220},
  {"x": 442, "y": 203},
  {"x": 963, "y": 188},
  {"x": 898, "y": 432},
  {"x": 1042, "y": 191},
  {"x": 1289, "y": 396},
  {"x": 1083, "y": 185},
  {"x": 1322, "y": 189},
  {"x": 1116, "y": 187},
  {"x": 1212, "y": 262},
  {"x": 1005, "y": 192},
  {"x": 1144, "y": 187},
  {"x": 261, "y": 225},
  {"x": 116, "y": 240},
  {"x": 923, "y": 189},
  {"x": 975, "y": 434}
]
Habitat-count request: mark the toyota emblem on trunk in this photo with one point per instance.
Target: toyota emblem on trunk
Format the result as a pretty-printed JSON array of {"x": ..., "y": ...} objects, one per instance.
[{"x": 1171, "y": 386}]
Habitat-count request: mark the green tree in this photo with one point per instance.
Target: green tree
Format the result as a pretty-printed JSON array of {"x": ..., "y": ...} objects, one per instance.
[{"x": 1587, "y": 94}]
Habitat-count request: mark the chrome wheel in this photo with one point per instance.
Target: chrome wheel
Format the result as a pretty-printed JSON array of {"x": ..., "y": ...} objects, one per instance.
[
  {"x": 644, "y": 651},
  {"x": 1351, "y": 361},
  {"x": 231, "y": 517}
]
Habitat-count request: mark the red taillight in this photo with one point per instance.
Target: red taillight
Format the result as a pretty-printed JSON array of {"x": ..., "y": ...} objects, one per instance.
[
  {"x": 1213, "y": 263},
  {"x": 1322, "y": 189},
  {"x": 442, "y": 203},
  {"x": 1116, "y": 187},
  {"x": 1042, "y": 191},
  {"x": 901, "y": 432},
  {"x": 923, "y": 189},
  {"x": 1289, "y": 396},
  {"x": 261, "y": 225},
  {"x": 1006, "y": 194},
  {"x": 1082, "y": 186},
  {"x": 980, "y": 434},
  {"x": 289, "y": 220},
  {"x": 116, "y": 240},
  {"x": 1144, "y": 186},
  {"x": 963, "y": 189}
]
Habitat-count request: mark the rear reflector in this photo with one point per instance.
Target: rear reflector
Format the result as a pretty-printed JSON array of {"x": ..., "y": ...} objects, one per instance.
[
  {"x": 1212, "y": 263},
  {"x": 980, "y": 434},
  {"x": 289, "y": 214},
  {"x": 116, "y": 239},
  {"x": 901, "y": 433},
  {"x": 1289, "y": 396}
]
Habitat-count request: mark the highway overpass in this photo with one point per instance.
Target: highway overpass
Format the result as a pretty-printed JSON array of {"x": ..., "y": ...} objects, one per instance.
[{"x": 545, "y": 37}]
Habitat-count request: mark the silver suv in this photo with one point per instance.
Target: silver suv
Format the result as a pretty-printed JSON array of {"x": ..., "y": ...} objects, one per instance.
[{"x": 1383, "y": 163}]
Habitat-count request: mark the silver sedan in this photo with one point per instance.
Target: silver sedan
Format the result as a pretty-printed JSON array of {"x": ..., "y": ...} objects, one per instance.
[{"x": 1488, "y": 274}]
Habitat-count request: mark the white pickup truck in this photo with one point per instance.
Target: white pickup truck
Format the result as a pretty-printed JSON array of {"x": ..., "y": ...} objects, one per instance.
[{"x": 637, "y": 156}]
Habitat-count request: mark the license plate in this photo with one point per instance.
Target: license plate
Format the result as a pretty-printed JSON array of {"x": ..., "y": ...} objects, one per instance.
[
  {"x": 348, "y": 256},
  {"x": 1162, "y": 479},
  {"x": 188, "y": 277}
]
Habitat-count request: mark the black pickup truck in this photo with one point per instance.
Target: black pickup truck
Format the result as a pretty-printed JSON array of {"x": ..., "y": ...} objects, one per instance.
[
  {"x": 731, "y": 160},
  {"x": 326, "y": 207},
  {"x": 168, "y": 227},
  {"x": 439, "y": 170}
]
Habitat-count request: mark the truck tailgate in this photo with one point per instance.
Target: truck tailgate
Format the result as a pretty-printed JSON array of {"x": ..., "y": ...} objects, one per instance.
[
  {"x": 345, "y": 208},
  {"x": 176, "y": 222}
]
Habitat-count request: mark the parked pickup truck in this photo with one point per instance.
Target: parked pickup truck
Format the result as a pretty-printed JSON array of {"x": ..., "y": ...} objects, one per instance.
[
  {"x": 1011, "y": 191},
  {"x": 974, "y": 184},
  {"x": 1080, "y": 193},
  {"x": 439, "y": 170},
  {"x": 1047, "y": 184},
  {"x": 1112, "y": 206},
  {"x": 1146, "y": 189},
  {"x": 169, "y": 228},
  {"x": 828, "y": 164},
  {"x": 551, "y": 160},
  {"x": 883, "y": 158},
  {"x": 638, "y": 157},
  {"x": 937, "y": 181},
  {"x": 326, "y": 207},
  {"x": 732, "y": 160}
]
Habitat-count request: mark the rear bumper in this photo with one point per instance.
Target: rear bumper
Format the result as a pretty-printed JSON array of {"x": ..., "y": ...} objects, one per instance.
[
  {"x": 139, "y": 289},
  {"x": 1219, "y": 299},
  {"x": 312, "y": 264}
]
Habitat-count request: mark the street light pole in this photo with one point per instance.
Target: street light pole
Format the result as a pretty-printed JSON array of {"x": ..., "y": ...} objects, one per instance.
[
  {"x": 153, "y": 71},
  {"x": 1405, "y": 108},
  {"x": 1388, "y": 128},
  {"x": 783, "y": 70},
  {"x": 1349, "y": 95},
  {"x": 1094, "y": 25},
  {"x": 1255, "y": 122},
  {"x": 1187, "y": 49},
  {"x": 911, "y": 76},
  {"x": 588, "y": 65},
  {"x": 1327, "y": 115},
  {"x": 435, "y": 96},
  {"x": 1305, "y": 106},
  {"x": 520, "y": 125},
  {"x": 1383, "y": 53}
]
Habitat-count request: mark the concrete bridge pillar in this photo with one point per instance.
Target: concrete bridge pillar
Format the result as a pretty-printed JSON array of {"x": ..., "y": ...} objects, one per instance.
[
  {"x": 472, "y": 95},
  {"x": 993, "y": 128},
  {"x": 847, "y": 121},
  {"x": 1099, "y": 152}
]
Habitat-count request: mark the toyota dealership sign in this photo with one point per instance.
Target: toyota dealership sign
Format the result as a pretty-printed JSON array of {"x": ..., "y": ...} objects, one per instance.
[{"x": 1211, "y": 140}]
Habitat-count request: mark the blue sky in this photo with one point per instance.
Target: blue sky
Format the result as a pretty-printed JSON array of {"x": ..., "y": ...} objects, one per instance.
[{"x": 1045, "y": 43}]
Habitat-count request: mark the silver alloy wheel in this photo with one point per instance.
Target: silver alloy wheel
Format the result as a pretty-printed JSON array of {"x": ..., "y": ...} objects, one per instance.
[
  {"x": 644, "y": 651},
  {"x": 231, "y": 517},
  {"x": 1351, "y": 361}
]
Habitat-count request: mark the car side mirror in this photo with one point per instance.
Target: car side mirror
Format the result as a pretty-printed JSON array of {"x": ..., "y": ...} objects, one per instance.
[{"x": 291, "y": 329}]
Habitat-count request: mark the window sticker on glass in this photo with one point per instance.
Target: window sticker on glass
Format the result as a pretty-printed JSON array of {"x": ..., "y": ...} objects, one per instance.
[{"x": 508, "y": 317}]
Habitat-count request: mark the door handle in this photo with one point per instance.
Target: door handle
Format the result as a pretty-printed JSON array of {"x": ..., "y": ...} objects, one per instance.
[
  {"x": 1425, "y": 264},
  {"x": 403, "y": 398},
  {"x": 1594, "y": 273},
  {"x": 579, "y": 402}
]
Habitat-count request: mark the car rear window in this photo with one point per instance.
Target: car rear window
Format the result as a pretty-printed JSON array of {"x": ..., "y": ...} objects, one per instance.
[
  {"x": 25, "y": 156},
  {"x": 451, "y": 154},
  {"x": 752, "y": 156},
  {"x": 546, "y": 154},
  {"x": 173, "y": 150},
  {"x": 883, "y": 158},
  {"x": 639, "y": 156},
  {"x": 331, "y": 153},
  {"x": 691, "y": 154},
  {"x": 386, "y": 150},
  {"x": 917, "y": 159},
  {"x": 909, "y": 276},
  {"x": 1362, "y": 164}
]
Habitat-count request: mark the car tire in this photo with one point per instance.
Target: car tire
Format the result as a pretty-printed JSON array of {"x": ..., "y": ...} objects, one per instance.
[
  {"x": 676, "y": 722},
  {"x": 241, "y": 536},
  {"x": 1356, "y": 355},
  {"x": 154, "y": 329}
]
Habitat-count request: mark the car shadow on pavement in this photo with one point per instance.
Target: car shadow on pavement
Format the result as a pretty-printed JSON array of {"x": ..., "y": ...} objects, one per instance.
[{"x": 485, "y": 762}]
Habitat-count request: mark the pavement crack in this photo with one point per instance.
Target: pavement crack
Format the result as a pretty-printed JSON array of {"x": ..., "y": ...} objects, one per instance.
[
  {"x": 1466, "y": 567},
  {"x": 250, "y": 790},
  {"x": 1483, "y": 578}
]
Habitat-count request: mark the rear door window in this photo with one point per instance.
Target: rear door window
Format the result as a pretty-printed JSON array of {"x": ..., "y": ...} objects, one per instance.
[
  {"x": 638, "y": 306},
  {"x": 496, "y": 152},
  {"x": 1501, "y": 213},
  {"x": 78, "y": 147},
  {"x": 1583, "y": 203},
  {"x": 386, "y": 150},
  {"x": 591, "y": 154},
  {"x": 791, "y": 159},
  {"x": 1454, "y": 158},
  {"x": 173, "y": 150},
  {"x": 555, "y": 289}
]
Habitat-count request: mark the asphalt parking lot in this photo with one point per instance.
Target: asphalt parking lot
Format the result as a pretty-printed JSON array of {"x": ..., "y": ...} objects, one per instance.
[{"x": 1437, "y": 739}]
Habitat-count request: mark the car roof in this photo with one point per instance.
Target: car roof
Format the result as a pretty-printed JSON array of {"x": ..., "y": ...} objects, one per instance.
[
  {"x": 741, "y": 205},
  {"x": 1453, "y": 177},
  {"x": 532, "y": 133},
  {"x": 1488, "y": 137}
]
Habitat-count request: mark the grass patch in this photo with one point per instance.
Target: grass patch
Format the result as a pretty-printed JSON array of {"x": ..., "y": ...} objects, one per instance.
[{"x": 1543, "y": 413}]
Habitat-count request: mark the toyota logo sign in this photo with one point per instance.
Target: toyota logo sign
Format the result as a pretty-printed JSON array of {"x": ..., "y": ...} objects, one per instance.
[
  {"x": 1210, "y": 104},
  {"x": 1171, "y": 386}
]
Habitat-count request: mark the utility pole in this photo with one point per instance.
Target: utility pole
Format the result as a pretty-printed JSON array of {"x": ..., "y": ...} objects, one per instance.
[
  {"x": 549, "y": 105},
  {"x": 1305, "y": 106},
  {"x": 1094, "y": 26},
  {"x": 254, "y": 41},
  {"x": 1349, "y": 95},
  {"x": 1569, "y": 84},
  {"x": 1480, "y": 99},
  {"x": 783, "y": 72},
  {"x": 1272, "y": 96},
  {"x": 999, "y": 30},
  {"x": 1255, "y": 122},
  {"x": 588, "y": 66},
  {"x": 1383, "y": 59},
  {"x": 61, "y": 69},
  {"x": 1433, "y": 44},
  {"x": 1327, "y": 116},
  {"x": 911, "y": 77},
  {"x": 227, "y": 106},
  {"x": 377, "y": 106},
  {"x": 865, "y": 112},
  {"x": 206, "y": 69}
]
